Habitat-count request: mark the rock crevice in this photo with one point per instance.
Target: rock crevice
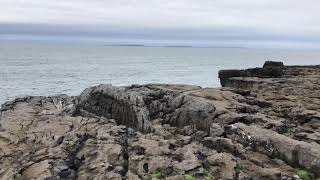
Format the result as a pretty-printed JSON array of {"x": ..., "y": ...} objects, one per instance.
[{"x": 263, "y": 124}]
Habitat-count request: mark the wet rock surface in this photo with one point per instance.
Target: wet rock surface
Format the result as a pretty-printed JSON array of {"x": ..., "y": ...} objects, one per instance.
[{"x": 263, "y": 124}]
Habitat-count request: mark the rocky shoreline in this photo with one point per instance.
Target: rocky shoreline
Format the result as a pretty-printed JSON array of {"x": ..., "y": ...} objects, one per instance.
[{"x": 264, "y": 123}]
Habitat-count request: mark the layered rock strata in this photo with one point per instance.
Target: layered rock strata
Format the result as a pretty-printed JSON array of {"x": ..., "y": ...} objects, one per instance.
[{"x": 263, "y": 124}]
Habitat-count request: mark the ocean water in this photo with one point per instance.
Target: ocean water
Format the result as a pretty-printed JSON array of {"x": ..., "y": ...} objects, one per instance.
[{"x": 44, "y": 69}]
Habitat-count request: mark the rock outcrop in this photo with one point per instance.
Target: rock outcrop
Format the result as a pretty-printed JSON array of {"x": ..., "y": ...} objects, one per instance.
[
  {"x": 270, "y": 69},
  {"x": 263, "y": 124}
]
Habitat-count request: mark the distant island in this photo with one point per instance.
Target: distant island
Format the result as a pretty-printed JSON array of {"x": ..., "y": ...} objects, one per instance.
[
  {"x": 173, "y": 46},
  {"x": 133, "y": 45}
]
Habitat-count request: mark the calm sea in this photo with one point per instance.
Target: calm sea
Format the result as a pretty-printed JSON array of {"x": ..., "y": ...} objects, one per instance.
[{"x": 42, "y": 69}]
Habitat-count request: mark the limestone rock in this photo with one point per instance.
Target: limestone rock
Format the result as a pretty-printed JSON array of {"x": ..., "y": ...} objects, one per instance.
[{"x": 262, "y": 124}]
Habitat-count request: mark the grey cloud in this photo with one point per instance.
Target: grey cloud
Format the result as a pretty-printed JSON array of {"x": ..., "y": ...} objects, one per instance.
[{"x": 232, "y": 20}]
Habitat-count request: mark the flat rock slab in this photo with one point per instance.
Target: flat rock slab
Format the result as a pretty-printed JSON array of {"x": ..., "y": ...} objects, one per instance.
[{"x": 257, "y": 127}]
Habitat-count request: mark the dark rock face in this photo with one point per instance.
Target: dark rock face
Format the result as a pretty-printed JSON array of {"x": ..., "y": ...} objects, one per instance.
[
  {"x": 111, "y": 102},
  {"x": 271, "y": 69},
  {"x": 263, "y": 125},
  {"x": 273, "y": 64},
  {"x": 137, "y": 106}
]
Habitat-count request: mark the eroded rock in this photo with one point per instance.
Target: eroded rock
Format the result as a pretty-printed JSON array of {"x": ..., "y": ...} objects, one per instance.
[{"x": 264, "y": 125}]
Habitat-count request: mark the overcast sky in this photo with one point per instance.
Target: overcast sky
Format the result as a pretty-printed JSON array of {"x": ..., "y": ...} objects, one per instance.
[{"x": 187, "y": 22}]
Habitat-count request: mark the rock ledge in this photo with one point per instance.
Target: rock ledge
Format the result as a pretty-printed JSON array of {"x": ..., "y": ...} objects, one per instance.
[{"x": 264, "y": 123}]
